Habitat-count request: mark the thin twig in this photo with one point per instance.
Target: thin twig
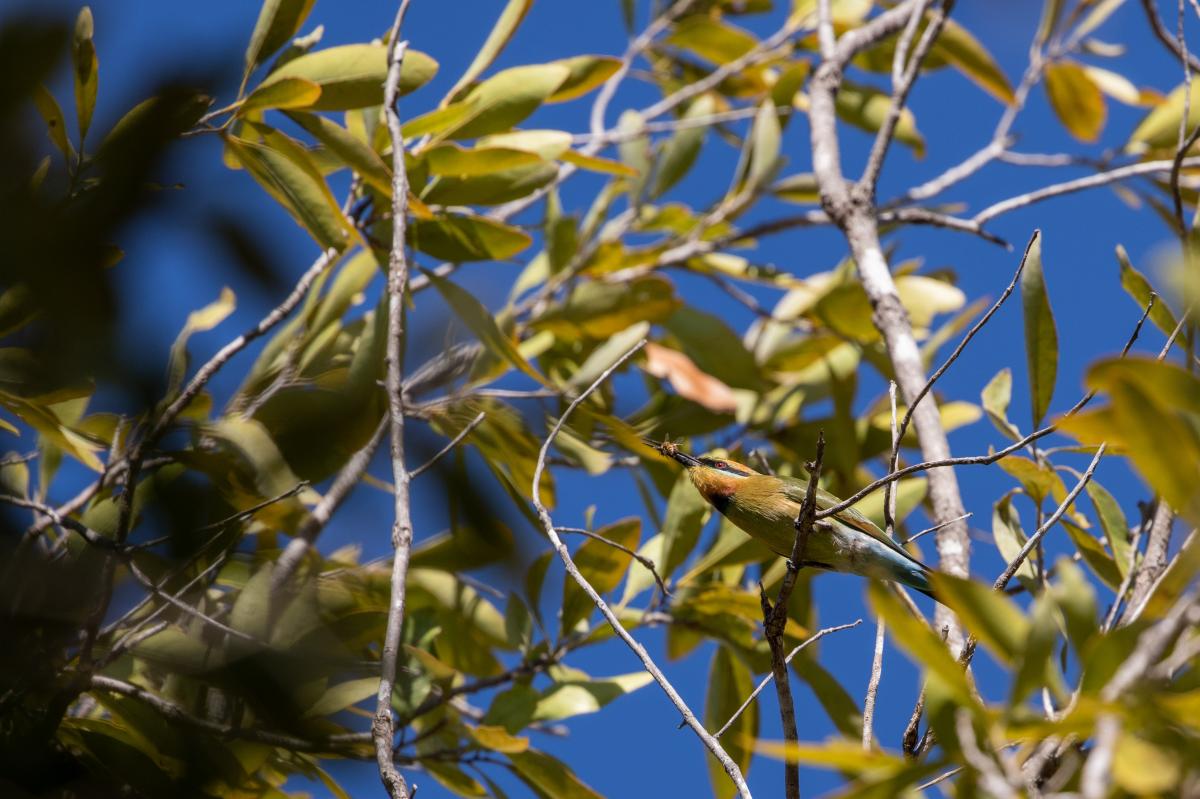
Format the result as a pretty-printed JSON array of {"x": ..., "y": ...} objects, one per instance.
[
  {"x": 347, "y": 478},
  {"x": 775, "y": 617},
  {"x": 817, "y": 636},
  {"x": 1079, "y": 184},
  {"x": 642, "y": 559},
  {"x": 711, "y": 743},
  {"x": 935, "y": 528},
  {"x": 873, "y": 684},
  {"x": 454, "y": 442}
]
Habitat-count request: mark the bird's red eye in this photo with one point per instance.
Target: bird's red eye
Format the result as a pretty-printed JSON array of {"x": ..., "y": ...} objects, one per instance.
[{"x": 721, "y": 465}]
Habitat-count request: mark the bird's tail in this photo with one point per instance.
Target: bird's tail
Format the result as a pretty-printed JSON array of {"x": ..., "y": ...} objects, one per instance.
[{"x": 916, "y": 577}]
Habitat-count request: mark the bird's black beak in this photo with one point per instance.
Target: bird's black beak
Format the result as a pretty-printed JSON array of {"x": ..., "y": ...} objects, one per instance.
[{"x": 672, "y": 451}]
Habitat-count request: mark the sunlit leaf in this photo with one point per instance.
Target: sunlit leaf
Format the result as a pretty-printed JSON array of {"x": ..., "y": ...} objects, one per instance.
[
  {"x": 765, "y": 135},
  {"x": 286, "y": 171},
  {"x": 866, "y": 107},
  {"x": 501, "y": 34},
  {"x": 1041, "y": 336},
  {"x": 986, "y": 613},
  {"x": 1160, "y": 128},
  {"x": 352, "y": 75},
  {"x": 283, "y": 93},
  {"x": 550, "y": 777},
  {"x": 278, "y": 21},
  {"x": 1138, "y": 287},
  {"x": 464, "y": 237},
  {"x": 585, "y": 72},
  {"x": 354, "y": 152},
  {"x": 919, "y": 641},
  {"x": 86, "y": 65},
  {"x": 600, "y": 309},
  {"x": 996, "y": 396},
  {"x": 56, "y": 124},
  {"x": 1076, "y": 99},
  {"x": 508, "y": 97}
]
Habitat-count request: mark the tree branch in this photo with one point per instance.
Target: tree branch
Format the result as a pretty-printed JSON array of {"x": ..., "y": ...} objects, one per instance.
[
  {"x": 775, "y": 618},
  {"x": 383, "y": 726},
  {"x": 711, "y": 743}
]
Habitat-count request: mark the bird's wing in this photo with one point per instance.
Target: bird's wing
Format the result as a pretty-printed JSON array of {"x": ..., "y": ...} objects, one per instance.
[{"x": 796, "y": 489}]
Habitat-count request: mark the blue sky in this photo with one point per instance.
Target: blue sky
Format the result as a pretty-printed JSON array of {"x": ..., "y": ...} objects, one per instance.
[{"x": 633, "y": 747}]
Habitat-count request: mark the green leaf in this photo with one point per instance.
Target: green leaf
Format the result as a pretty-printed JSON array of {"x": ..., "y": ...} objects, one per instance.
[
  {"x": 287, "y": 172},
  {"x": 284, "y": 93},
  {"x": 493, "y": 189},
  {"x": 501, "y": 34},
  {"x": 341, "y": 696},
  {"x": 585, "y": 72},
  {"x": 866, "y": 107},
  {"x": 353, "y": 151},
  {"x": 988, "y": 614},
  {"x": 352, "y": 75},
  {"x": 1034, "y": 665},
  {"x": 452, "y": 159},
  {"x": 712, "y": 39},
  {"x": 1112, "y": 522},
  {"x": 1039, "y": 480},
  {"x": 765, "y": 134},
  {"x": 1160, "y": 128},
  {"x": 508, "y": 97},
  {"x": 1076, "y": 600},
  {"x": 598, "y": 309},
  {"x": 278, "y": 21},
  {"x": 729, "y": 684},
  {"x": 601, "y": 565},
  {"x": 801, "y": 188},
  {"x": 1154, "y": 417},
  {"x": 1076, "y": 100},
  {"x": 681, "y": 150},
  {"x": 86, "y": 66},
  {"x": 606, "y": 354},
  {"x": 56, "y": 124},
  {"x": 199, "y": 321},
  {"x": 996, "y": 396},
  {"x": 550, "y": 777},
  {"x": 920, "y": 642},
  {"x": 1138, "y": 287},
  {"x": 714, "y": 347},
  {"x": 686, "y": 513},
  {"x": 960, "y": 49},
  {"x": 498, "y": 739},
  {"x": 466, "y": 237},
  {"x": 1094, "y": 555},
  {"x": 569, "y": 698},
  {"x": 453, "y": 778},
  {"x": 1041, "y": 337},
  {"x": 482, "y": 323}
]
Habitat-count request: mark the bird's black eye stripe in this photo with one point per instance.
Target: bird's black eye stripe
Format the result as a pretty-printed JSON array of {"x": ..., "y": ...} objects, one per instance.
[{"x": 723, "y": 466}]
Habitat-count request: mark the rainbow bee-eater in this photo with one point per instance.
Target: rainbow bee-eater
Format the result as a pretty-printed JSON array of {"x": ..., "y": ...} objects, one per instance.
[{"x": 766, "y": 508}]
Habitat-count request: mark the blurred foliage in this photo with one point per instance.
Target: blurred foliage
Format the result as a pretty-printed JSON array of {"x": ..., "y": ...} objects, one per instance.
[{"x": 162, "y": 655}]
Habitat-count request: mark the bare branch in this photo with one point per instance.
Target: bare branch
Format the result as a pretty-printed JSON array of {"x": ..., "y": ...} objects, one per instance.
[
  {"x": 775, "y": 618},
  {"x": 853, "y": 210},
  {"x": 347, "y": 478},
  {"x": 817, "y": 636},
  {"x": 383, "y": 725},
  {"x": 1164, "y": 36},
  {"x": 873, "y": 684},
  {"x": 1079, "y": 184},
  {"x": 711, "y": 743},
  {"x": 901, "y": 87}
]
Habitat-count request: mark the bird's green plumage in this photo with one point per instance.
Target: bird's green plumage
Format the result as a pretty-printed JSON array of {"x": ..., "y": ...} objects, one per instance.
[{"x": 766, "y": 508}]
